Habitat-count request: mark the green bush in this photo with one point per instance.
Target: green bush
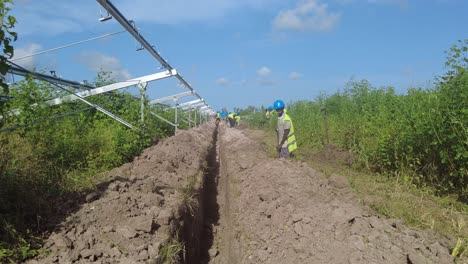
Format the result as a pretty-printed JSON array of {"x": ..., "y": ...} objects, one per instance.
[
  {"x": 54, "y": 151},
  {"x": 422, "y": 134}
]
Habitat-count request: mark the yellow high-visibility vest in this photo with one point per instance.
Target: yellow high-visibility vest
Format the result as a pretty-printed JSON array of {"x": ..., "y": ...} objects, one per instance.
[{"x": 292, "y": 145}]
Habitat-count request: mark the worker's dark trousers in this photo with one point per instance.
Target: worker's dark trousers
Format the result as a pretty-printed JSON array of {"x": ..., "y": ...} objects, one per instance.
[{"x": 232, "y": 122}]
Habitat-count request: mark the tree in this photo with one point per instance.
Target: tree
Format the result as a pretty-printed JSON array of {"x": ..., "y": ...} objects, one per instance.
[{"x": 6, "y": 37}]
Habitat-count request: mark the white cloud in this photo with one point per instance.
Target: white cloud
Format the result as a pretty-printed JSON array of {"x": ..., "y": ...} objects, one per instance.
[
  {"x": 24, "y": 51},
  {"x": 309, "y": 15},
  {"x": 264, "y": 79},
  {"x": 263, "y": 71},
  {"x": 96, "y": 62},
  {"x": 266, "y": 82},
  {"x": 295, "y": 75},
  {"x": 222, "y": 81}
]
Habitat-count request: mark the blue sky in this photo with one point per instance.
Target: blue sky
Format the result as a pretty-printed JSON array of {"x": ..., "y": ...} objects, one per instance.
[{"x": 237, "y": 53}]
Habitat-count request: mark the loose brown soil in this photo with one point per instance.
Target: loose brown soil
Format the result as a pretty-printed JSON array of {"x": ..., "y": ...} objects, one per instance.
[{"x": 243, "y": 207}]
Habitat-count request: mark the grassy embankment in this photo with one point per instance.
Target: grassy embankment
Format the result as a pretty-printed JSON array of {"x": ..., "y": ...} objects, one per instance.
[{"x": 410, "y": 151}]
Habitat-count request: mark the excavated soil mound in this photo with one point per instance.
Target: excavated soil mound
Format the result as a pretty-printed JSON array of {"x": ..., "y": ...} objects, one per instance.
[
  {"x": 230, "y": 203},
  {"x": 140, "y": 209},
  {"x": 281, "y": 211}
]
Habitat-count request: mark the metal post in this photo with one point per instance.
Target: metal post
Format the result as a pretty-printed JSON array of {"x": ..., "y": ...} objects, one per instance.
[
  {"x": 190, "y": 118},
  {"x": 176, "y": 108},
  {"x": 142, "y": 105},
  {"x": 195, "y": 117}
]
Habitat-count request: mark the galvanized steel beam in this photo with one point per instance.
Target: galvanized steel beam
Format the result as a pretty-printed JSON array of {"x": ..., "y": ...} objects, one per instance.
[
  {"x": 171, "y": 97},
  {"x": 114, "y": 86}
]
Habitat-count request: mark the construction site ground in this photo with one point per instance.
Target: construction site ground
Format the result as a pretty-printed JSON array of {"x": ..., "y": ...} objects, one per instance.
[{"x": 212, "y": 195}]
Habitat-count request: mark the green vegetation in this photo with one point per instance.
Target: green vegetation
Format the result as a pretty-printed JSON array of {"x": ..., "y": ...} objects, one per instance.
[
  {"x": 171, "y": 251},
  {"x": 7, "y": 36},
  {"x": 411, "y": 150},
  {"x": 189, "y": 193},
  {"x": 421, "y": 135},
  {"x": 50, "y": 152}
]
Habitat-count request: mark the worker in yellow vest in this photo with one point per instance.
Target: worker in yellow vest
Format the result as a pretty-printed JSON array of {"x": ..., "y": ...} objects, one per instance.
[
  {"x": 232, "y": 121},
  {"x": 237, "y": 118},
  {"x": 218, "y": 118},
  {"x": 268, "y": 111},
  {"x": 285, "y": 130}
]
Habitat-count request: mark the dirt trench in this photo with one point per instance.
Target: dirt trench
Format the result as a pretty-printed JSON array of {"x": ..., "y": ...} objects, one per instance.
[
  {"x": 212, "y": 195},
  {"x": 151, "y": 210},
  {"x": 283, "y": 211}
]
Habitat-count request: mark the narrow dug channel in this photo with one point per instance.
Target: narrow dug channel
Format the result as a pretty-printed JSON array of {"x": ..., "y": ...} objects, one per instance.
[
  {"x": 283, "y": 211},
  {"x": 199, "y": 227},
  {"x": 212, "y": 195}
]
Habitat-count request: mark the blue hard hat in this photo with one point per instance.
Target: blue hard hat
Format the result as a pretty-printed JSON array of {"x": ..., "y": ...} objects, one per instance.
[
  {"x": 237, "y": 113},
  {"x": 270, "y": 108},
  {"x": 278, "y": 104}
]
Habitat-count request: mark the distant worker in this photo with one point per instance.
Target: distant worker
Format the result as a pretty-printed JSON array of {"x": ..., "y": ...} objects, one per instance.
[
  {"x": 268, "y": 111},
  {"x": 226, "y": 118},
  {"x": 237, "y": 118},
  {"x": 218, "y": 118},
  {"x": 286, "y": 138},
  {"x": 232, "y": 121}
]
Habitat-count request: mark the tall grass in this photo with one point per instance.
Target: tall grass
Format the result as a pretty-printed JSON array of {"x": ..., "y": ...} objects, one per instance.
[{"x": 422, "y": 134}]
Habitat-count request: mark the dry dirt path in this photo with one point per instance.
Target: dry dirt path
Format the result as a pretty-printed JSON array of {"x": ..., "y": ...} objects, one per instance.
[
  {"x": 216, "y": 192},
  {"x": 280, "y": 211}
]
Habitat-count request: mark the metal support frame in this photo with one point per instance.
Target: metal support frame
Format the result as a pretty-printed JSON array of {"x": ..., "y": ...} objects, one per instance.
[
  {"x": 142, "y": 104},
  {"x": 190, "y": 118},
  {"x": 193, "y": 107},
  {"x": 130, "y": 27},
  {"x": 191, "y": 102},
  {"x": 176, "y": 107},
  {"x": 57, "y": 82},
  {"x": 90, "y": 90},
  {"x": 141, "y": 81},
  {"x": 114, "y": 86},
  {"x": 48, "y": 78},
  {"x": 176, "y": 112},
  {"x": 163, "y": 119},
  {"x": 171, "y": 97}
]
